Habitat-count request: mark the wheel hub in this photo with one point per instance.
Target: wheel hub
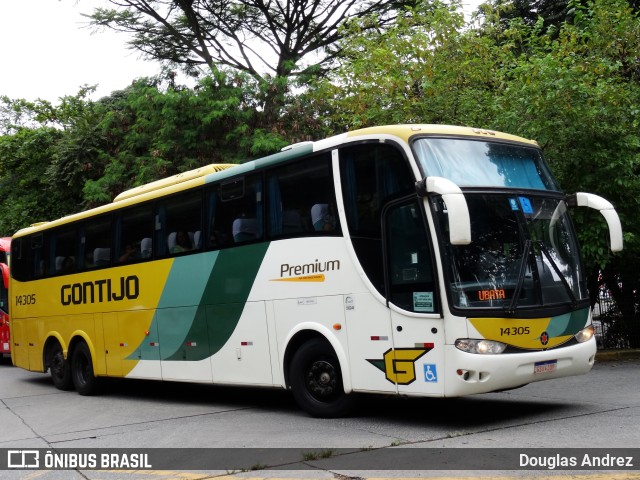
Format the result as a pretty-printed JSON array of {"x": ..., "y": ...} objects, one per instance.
[{"x": 321, "y": 379}]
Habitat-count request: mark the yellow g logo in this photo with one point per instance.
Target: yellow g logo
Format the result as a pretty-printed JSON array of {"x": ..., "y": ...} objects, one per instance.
[{"x": 398, "y": 364}]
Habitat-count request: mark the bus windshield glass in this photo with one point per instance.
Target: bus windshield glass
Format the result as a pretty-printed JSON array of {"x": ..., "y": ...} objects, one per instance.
[
  {"x": 490, "y": 164},
  {"x": 523, "y": 254}
]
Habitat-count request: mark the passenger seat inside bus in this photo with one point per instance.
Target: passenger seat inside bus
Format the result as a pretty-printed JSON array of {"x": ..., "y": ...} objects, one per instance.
[
  {"x": 146, "y": 247},
  {"x": 171, "y": 241},
  {"x": 244, "y": 229},
  {"x": 65, "y": 264},
  {"x": 101, "y": 257},
  {"x": 321, "y": 217}
]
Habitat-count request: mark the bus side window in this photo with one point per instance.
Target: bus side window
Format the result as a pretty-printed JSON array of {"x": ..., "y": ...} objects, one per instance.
[
  {"x": 411, "y": 279},
  {"x": 215, "y": 237},
  {"x": 300, "y": 199},
  {"x": 63, "y": 251},
  {"x": 27, "y": 257},
  {"x": 132, "y": 226},
  {"x": 372, "y": 175},
  {"x": 95, "y": 243},
  {"x": 182, "y": 219},
  {"x": 38, "y": 263},
  {"x": 236, "y": 214}
]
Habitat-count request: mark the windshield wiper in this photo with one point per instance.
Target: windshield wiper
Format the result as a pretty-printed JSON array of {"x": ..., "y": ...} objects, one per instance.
[
  {"x": 521, "y": 272},
  {"x": 554, "y": 265}
]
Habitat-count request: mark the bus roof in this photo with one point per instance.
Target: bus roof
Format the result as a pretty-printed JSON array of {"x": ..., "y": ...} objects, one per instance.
[
  {"x": 217, "y": 172},
  {"x": 407, "y": 131},
  {"x": 173, "y": 180}
]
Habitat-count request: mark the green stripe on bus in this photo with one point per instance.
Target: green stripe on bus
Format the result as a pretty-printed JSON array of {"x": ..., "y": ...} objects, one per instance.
[
  {"x": 202, "y": 302},
  {"x": 568, "y": 323}
]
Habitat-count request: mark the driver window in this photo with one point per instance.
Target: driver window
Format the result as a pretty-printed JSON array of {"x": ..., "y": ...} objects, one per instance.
[{"x": 412, "y": 284}]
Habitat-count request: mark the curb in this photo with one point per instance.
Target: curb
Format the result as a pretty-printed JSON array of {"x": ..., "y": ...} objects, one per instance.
[{"x": 611, "y": 355}]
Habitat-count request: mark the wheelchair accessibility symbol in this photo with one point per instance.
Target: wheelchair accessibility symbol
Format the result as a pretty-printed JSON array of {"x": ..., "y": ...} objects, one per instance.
[{"x": 430, "y": 373}]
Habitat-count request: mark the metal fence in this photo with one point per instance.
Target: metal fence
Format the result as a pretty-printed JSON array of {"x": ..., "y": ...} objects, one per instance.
[{"x": 611, "y": 332}]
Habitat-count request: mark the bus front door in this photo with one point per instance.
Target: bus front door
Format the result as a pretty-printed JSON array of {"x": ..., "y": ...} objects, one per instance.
[{"x": 412, "y": 295}]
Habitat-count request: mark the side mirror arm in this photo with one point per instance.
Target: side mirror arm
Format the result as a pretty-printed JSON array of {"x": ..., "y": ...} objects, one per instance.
[
  {"x": 459, "y": 222},
  {"x": 609, "y": 213}
]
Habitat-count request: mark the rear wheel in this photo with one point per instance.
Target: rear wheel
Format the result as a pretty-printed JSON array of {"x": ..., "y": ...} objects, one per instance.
[
  {"x": 84, "y": 380},
  {"x": 59, "y": 368},
  {"x": 316, "y": 381}
]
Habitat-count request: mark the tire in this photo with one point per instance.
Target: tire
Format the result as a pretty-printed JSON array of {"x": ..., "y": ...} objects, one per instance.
[
  {"x": 316, "y": 381},
  {"x": 59, "y": 368},
  {"x": 84, "y": 380}
]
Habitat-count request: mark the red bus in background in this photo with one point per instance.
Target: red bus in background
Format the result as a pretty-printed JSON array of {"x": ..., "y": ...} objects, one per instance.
[{"x": 5, "y": 248}]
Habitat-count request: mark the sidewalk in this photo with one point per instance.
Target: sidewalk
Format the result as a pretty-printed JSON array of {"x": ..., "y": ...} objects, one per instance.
[{"x": 623, "y": 354}]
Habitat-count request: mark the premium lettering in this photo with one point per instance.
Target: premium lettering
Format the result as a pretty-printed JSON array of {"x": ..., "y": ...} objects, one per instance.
[
  {"x": 99, "y": 291},
  {"x": 287, "y": 270}
]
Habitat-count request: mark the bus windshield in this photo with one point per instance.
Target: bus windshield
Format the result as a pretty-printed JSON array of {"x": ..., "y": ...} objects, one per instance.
[
  {"x": 490, "y": 164},
  {"x": 523, "y": 254}
]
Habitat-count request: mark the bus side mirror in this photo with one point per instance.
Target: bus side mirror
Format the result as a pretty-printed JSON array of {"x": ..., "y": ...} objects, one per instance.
[
  {"x": 459, "y": 223},
  {"x": 609, "y": 213}
]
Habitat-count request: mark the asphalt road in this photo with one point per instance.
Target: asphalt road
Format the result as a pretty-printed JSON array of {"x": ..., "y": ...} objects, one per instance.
[{"x": 599, "y": 410}]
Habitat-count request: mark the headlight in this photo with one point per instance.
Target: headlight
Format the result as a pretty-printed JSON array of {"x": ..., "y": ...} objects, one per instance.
[
  {"x": 585, "y": 334},
  {"x": 482, "y": 347}
]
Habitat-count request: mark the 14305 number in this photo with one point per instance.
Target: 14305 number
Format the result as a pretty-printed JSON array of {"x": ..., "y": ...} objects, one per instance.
[
  {"x": 514, "y": 331},
  {"x": 29, "y": 299}
]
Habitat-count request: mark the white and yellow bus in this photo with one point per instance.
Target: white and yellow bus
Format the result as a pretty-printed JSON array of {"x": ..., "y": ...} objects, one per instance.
[{"x": 417, "y": 260}]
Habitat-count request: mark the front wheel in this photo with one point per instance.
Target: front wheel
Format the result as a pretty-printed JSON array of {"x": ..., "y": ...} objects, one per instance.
[
  {"x": 84, "y": 380},
  {"x": 316, "y": 381}
]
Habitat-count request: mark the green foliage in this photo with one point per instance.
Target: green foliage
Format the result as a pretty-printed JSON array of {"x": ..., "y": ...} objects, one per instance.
[
  {"x": 95, "y": 150},
  {"x": 426, "y": 68},
  {"x": 27, "y": 193},
  {"x": 150, "y": 133}
]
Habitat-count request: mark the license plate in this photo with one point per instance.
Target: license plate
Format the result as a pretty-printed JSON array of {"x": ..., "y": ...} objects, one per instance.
[{"x": 545, "y": 367}]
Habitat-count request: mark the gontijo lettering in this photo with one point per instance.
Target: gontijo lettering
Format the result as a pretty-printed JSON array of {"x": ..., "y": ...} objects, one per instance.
[{"x": 104, "y": 290}]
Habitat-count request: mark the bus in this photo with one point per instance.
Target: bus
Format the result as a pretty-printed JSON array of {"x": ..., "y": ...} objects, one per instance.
[
  {"x": 5, "y": 343},
  {"x": 413, "y": 260}
]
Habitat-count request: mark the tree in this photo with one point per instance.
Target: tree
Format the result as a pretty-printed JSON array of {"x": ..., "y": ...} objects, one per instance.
[
  {"x": 150, "y": 132},
  {"x": 272, "y": 41},
  {"x": 58, "y": 159},
  {"x": 425, "y": 68},
  {"x": 27, "y": 194},
  {"x": 552, "y": 13}
]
